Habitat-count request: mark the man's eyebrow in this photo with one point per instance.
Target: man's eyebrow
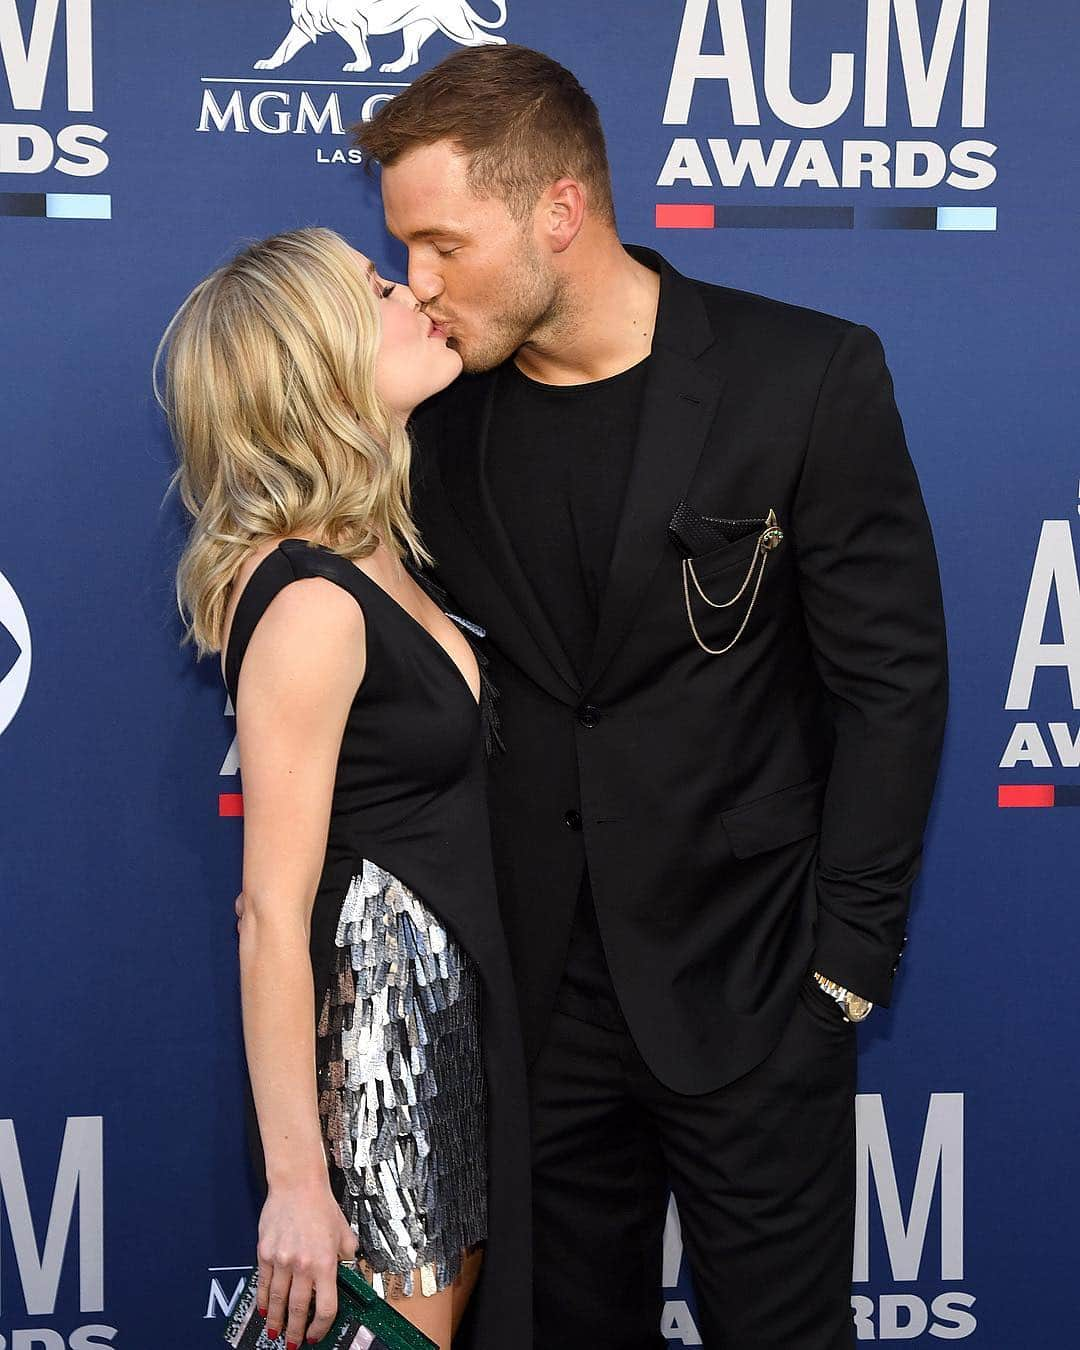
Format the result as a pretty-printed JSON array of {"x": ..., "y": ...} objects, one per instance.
[{"x": 432, "y": 232}]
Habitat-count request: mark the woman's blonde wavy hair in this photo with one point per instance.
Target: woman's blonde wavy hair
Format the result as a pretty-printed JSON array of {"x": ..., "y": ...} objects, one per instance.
[{"x": 271, "y": 402}]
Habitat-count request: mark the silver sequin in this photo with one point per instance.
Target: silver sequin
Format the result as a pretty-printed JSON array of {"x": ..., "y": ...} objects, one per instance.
[{"x": 401, "y": 1088}]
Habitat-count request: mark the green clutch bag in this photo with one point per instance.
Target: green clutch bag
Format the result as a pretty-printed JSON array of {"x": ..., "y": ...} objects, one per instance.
[{"x": 364, "y": 1321}]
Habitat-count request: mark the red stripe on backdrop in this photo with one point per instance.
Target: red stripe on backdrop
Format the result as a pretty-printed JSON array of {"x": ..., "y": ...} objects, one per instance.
[
  {"x": 685, "y": 217},
  {"x": 230, "y": 804},
  {"x": 1026, "y": 794}
]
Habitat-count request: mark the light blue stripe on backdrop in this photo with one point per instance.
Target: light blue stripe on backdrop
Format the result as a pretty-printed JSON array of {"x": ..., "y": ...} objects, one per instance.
[
  {"x": 967, "y": 218},
  {"x": 78, "y": 206}
]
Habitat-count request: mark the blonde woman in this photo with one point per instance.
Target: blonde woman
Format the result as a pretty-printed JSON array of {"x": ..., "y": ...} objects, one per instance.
[{"x": 386, "y": 1077}]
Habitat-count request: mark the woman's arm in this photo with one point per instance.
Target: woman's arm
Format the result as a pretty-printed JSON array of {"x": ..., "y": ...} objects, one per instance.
[{"x": 300, "y": 674}]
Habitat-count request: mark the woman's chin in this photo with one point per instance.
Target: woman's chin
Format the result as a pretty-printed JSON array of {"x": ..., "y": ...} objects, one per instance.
[{"x": 451, "y": 367}]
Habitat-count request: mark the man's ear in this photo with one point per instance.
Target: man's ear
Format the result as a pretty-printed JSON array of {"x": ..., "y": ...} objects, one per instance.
[{"x": 562, "y": 213}]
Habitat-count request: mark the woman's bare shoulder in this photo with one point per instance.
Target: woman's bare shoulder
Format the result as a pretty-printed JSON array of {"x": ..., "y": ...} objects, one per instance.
[{"x": 240, "y": 580}]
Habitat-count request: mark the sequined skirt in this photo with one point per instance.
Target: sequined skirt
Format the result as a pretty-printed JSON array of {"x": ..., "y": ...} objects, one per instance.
[{"x": 402, "y": 1094}]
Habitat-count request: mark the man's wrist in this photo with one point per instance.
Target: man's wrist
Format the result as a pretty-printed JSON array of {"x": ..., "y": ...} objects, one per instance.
[{"x": 854, "y": 1007}]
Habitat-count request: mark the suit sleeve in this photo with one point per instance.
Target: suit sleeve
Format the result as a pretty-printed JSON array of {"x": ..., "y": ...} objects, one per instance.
[{"x": 871, "y": 597}]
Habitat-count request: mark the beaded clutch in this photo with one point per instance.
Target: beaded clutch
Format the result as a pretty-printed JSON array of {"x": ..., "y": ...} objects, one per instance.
[{"x": 364, "y": 1321}]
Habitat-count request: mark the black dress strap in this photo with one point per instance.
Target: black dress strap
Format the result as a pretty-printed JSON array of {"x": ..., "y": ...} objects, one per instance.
[{"x": 290, "y": 561}]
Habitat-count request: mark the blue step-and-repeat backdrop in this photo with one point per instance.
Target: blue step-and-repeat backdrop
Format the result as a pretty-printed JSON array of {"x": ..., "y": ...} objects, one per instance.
[{"x": 905, "y": 163}]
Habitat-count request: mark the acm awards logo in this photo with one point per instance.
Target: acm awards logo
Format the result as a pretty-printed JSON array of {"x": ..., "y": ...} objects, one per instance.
[
  {"x": 276, "y": 110},
  {"x": 940, "y": 1308},
  {"x": 230, "y": 803},
  {"x": 39, "y": 1257},
  {"x": 15, "y": 653},
  {"x": 722, "y": 80},
  {"x": 29, "y": 54},
  {"x": 1051, "y": 607}
]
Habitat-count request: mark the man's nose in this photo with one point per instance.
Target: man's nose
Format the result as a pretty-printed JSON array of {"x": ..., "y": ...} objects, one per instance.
[{"x": 424, "y": 282}]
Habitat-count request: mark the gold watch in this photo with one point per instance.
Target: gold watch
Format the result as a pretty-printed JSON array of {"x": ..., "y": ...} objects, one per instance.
[{"x": 854, "y": 1007}]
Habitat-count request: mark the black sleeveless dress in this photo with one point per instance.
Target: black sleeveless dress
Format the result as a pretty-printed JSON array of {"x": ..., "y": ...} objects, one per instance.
[{"x": 420, "y": 1069}]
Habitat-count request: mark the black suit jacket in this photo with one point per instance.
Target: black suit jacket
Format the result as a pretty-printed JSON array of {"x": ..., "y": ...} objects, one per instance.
[{"x": 744, "y": 817}]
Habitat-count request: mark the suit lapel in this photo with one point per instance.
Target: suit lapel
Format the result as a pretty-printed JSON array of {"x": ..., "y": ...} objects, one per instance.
[
  {"x": 679, "y": 403},
  {"x": 518, "y": 623}
]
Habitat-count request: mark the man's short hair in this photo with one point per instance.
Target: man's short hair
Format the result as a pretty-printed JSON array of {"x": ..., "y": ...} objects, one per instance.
[{"x": 522, "y": 120}]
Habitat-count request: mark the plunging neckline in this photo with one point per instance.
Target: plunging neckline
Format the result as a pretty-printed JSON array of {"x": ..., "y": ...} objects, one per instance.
[
  {"x": 416, "y": 622},
  {"x": 458, "y": 672}
]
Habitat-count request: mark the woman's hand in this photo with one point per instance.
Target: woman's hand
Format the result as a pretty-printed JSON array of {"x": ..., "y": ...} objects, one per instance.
[{"x": 302, "y": 1236}]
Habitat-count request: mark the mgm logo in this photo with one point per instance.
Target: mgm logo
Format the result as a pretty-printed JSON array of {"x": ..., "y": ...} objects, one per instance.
[
  {"x": 354, "y": 21},
  {"x": 278, "y": 111}
]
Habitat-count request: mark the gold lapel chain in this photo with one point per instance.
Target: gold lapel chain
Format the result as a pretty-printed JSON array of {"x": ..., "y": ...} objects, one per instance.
[{"x": 768, "y": 539}]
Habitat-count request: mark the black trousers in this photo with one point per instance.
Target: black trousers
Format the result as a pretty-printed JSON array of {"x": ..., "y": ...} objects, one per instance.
[{"x": 763, "y": 1172}]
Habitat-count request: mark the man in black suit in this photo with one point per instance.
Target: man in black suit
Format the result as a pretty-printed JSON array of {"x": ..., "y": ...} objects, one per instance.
[{"x": 687, "y": 519}]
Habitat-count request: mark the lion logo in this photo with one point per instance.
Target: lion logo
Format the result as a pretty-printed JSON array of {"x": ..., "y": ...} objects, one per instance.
[{"x": 357, "y": 20}]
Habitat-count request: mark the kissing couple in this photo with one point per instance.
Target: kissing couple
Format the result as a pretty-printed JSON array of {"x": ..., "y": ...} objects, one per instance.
[{"x": 583, "y": 626}]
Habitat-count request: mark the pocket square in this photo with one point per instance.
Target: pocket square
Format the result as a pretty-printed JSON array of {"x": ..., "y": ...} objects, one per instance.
[{"x": 692, "y": 532}]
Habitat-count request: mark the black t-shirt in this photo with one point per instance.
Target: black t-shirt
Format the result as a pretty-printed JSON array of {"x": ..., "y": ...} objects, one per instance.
[{"x": 557, "y": 464}]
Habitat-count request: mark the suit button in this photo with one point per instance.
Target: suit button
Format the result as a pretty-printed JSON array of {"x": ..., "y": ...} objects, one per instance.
[
  {"x": 588, "y": 715},
  {"x": 573, "y": 819}
]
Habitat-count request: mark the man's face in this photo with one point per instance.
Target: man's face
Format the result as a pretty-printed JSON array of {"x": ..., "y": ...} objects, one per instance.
[{"x": 480, "y": 274}]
